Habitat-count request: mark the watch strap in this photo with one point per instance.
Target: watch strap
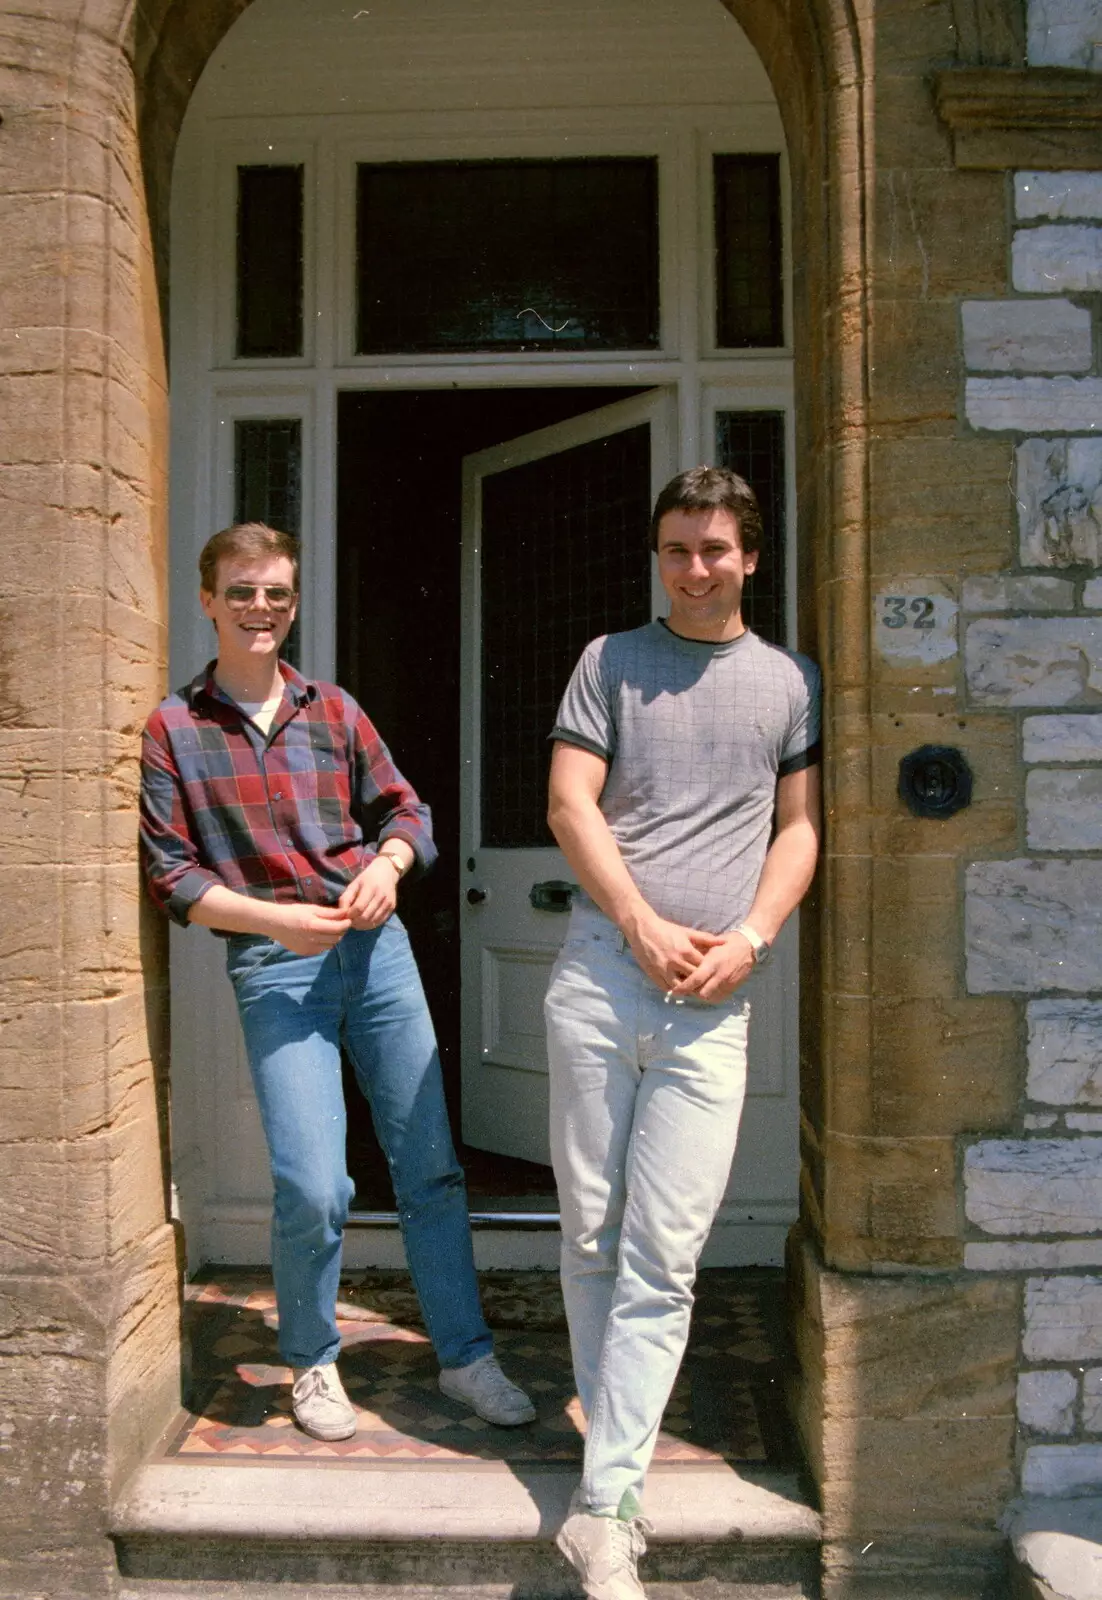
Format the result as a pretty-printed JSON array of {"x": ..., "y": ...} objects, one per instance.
[{"x": 758, "y": 945}]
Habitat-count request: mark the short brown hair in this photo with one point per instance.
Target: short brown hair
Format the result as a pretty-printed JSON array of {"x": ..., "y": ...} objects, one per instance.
[
  {"x": 712, "y": 489},
  {"x": 248, "y": 539}
]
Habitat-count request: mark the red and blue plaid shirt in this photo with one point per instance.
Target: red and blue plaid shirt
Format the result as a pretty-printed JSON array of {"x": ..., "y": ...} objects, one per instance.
[{"x": 294, "y": 816}]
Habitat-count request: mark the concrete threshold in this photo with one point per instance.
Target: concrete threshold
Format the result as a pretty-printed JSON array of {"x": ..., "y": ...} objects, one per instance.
[{"x": 476, "y": 1501}]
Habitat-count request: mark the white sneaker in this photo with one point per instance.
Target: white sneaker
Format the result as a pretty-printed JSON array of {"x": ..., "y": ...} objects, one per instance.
[
  {"x": 321, "y": 1407},
  {"x": 485, "y": 1388},
  {"x": 603, "y": 1552}
]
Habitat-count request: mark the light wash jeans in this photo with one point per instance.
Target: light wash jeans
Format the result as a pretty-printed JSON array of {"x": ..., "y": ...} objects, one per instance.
[
  {"x": 295, "y": 1012},
  {"x": 646, "y": 1097}
]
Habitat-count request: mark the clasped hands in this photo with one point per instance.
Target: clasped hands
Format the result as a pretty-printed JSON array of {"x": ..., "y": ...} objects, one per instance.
[
  {"x": 368, "y": 901},
  {"x": 686, "y": 961}
]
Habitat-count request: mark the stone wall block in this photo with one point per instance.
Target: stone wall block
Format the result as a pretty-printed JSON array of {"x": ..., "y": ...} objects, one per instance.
[
  {"x": 1033, "y": 405},
  {"x": 1064, "y": 808},
  {"x": 1063, "y": 1319},
  {"x": 93, "y": 912},
  {"x": 918, "y": 899},
  {"x": 1034, "y": 925},
  {"x": 1002, "y": 591},
  {"x": 60, "y": 1466},
  {"x": 110, "y": 672},
  {"x": 1065, "y": 33},
  {"x": 1092, "y": 1400},
  {"x": 143, "y": 1379},
  {"x": 1062, "y": 1469},
  {"x": 1032, "y": 1255},
  {"x": 68, "y": 800},
  {"x": 909, "y": 135},
  {"x": 1056, "y": 257},
  {"x": 935, "y": 231},
  {"x": 913, "y": 346},
  {"x": 889, "y": 1367},
  {"x": 1027, "y": 1186},
  {"x": 1057, "y": 194},
  {"x": 1065, "y": 1052},
  {"x": 901, "y": 1349},
  {"x": 945, "y": 497},
  {"x": 1072, "y": 738},
  {"x": 53, "y": 1207},
  {"x": 82, "y": 1205},
  {"x": 847, "y": 944},
  {"x": 1026, "y": 336},
  {"x": 1059, "y": 495},
  {"x": 883, "y": 1467},
  {"x": 942, "y": 1066},
  {"x": 1034, "y": 661},
  {"x": 67, "y": 1070},
  {"x": 1046, "y": 1401},
  {"x": 51, "y": 1347},
  {"x": 890, "y": 1200}
]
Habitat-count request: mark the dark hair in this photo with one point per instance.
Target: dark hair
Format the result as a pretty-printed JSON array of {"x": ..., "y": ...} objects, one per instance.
[
  {"x": 712, "y": 489},
  {"x": 249, "y": 539}
]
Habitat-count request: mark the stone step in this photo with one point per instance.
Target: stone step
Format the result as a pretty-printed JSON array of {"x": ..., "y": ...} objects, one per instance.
[
  {"x": 465, "y": 1530},
  {"x": 1056, "y": 1548},
  {"x": 716, "y": 1589}
]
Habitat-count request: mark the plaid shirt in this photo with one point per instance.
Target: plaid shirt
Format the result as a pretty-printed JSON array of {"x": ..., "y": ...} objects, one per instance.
[{"x": 291, "y": 817}]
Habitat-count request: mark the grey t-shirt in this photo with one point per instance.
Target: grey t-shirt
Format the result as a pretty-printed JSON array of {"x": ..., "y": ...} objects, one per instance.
[{"x": 696, "y": 736}]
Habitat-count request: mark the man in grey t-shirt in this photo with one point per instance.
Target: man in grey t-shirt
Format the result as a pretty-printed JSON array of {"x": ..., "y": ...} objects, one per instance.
[{"x": 685, "y": 796}]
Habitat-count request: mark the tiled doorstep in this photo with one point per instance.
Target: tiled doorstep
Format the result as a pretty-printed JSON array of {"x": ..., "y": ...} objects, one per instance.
[{"x": 457, "y": 1501}]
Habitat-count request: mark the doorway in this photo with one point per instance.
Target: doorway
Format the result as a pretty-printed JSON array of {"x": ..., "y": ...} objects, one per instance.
[
  {"x": 383, "y": 264},
  {"x": 400, "y": 537}
]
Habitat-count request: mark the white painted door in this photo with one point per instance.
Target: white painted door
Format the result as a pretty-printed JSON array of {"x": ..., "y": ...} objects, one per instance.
[{"x": 555, "y": 553}]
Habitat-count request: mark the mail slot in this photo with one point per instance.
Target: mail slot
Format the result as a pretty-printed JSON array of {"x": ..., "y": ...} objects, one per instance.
[{"x": 554, "y": 894}]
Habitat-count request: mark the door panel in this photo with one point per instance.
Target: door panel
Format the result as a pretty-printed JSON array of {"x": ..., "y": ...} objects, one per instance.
[{"x": 554, "y": 553}]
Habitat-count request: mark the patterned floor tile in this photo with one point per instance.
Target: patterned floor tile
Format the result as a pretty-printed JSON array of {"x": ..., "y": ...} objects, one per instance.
[{"x": 726, "y": 1404}]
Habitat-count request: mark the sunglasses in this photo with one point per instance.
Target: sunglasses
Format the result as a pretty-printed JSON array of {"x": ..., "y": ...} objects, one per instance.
[{"x": 278, "y": 595}]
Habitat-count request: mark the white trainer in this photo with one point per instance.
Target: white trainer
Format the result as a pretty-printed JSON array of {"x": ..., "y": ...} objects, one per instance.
[
  {"x": 485, "y": 1388},
  {"x": 321, "y": 1407},
  {"x": 603, "y": 1552}
]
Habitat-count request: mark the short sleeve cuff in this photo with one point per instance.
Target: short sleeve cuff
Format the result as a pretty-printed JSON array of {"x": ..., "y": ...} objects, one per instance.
[
  {"x": 568, "y": 736},
  {"x": 811, "y": 757}
]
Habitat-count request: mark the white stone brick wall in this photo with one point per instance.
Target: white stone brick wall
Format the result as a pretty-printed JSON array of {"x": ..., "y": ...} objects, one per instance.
[
  {"x": 1058, "y": 491},
  {"x": 1026, "y": 336},
  {"x": 1065, "y": 33},
  {"x": 1057, "y": 256},
  {"x": 1057, "y": 194},
  {"x": 1033, "y": 924}
]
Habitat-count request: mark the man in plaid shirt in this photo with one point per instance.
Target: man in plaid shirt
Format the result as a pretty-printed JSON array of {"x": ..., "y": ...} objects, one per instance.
[{"x": 273, "y": 814}]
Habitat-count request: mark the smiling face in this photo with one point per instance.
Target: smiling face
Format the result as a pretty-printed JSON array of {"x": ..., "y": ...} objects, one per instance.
[
  {"x": 702, "y": 567},
  {"x": 250, "y": 634}
]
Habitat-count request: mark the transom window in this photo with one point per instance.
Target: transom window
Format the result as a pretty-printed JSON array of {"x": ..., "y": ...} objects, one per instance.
[{"x": 507, "y": 255}]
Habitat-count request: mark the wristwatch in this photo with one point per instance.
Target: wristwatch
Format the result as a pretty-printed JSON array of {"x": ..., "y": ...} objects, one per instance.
[
  {"x": 760, "y": 947},
  {"x": 388, "y": 855}
]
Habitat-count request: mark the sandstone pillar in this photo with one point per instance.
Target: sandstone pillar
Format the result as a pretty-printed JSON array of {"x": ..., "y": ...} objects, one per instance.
[{"x": 88, "y": 1270}]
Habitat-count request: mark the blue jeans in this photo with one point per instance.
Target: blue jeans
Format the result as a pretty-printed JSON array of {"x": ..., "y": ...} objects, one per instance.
[
  {"x": 295, "y": 1012},
  {"x": 646, "y": 1097}
]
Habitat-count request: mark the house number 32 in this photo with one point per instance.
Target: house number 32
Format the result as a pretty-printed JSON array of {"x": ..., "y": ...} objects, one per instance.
[{"x": 908, "y": 611}]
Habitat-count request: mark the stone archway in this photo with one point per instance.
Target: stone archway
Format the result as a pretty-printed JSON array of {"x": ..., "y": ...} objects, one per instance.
[
  {"x": 89, "y": 1276},
  {"x": 96, "y": 94}
]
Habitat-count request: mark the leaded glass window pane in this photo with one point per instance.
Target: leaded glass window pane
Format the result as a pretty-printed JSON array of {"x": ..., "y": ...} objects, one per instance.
[
  {"x": 269, "y": 261},
  {"x": 507, "y": 255},
  {"x": 751, "y": 443},
  {"x": 267, "y": 483},
  {"x": 564, "y": 559},
  {"x": 749, "y": 280}
]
